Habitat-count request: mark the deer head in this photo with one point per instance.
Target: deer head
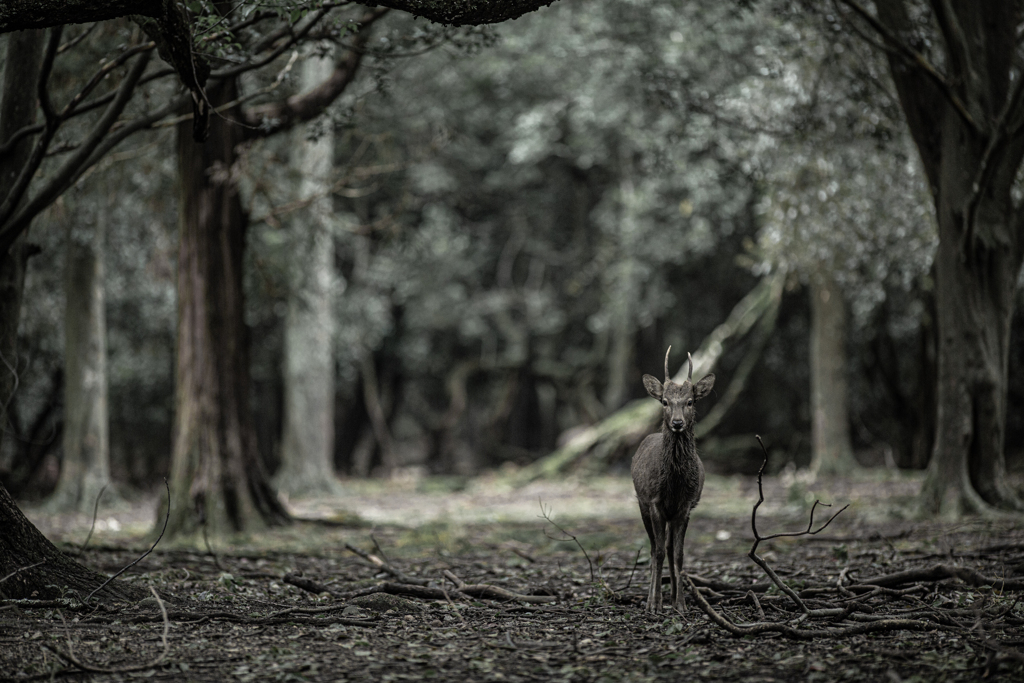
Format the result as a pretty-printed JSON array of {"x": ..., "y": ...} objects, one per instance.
[{"x": 677, "y": 400}]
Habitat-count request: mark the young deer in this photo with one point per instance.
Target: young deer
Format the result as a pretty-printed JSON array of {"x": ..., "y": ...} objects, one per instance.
[{"x": 669, "y": 477}]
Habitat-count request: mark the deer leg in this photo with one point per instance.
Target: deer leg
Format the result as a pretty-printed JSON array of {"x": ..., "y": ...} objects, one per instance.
[
  {"x": 670, "y": 553},
  {"x": 676, "y": 560},
  {"x": 658, "y": 543}
]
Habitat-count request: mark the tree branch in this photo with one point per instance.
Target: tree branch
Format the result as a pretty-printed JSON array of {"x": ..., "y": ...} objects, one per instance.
[
  {"x": 20, "y": 186},
  {"x": 77, "y": 163},
  {"x": 267, "y": 119},
  {"x": 16, "y": 15}
]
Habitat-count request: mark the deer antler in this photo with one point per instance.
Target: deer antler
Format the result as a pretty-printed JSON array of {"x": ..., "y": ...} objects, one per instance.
[
  {"x": 667, "y": 376},
  {"x": 689, "y": 374}
]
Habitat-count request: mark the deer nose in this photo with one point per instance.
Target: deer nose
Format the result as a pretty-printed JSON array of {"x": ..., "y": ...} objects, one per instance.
[{"x": 677, "y": 423}]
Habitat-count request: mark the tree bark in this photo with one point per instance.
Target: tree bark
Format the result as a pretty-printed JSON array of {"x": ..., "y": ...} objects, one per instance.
[
  {"x": 22, "y": 14},
  {"x": 56, "y": 575},
  {"x": 975, "y": 304},
  {"x": 831, "y": 450},
  {"x": 217, "y": 478},
  {"x": 962, "y": 123},
  {"x": 85, "y": 467},
  {"x": 17, "y": 110},
  {"x": 307, "y": 448}
]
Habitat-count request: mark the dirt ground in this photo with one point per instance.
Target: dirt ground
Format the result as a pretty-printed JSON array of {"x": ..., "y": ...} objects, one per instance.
[{"x": 454, "y": 580}]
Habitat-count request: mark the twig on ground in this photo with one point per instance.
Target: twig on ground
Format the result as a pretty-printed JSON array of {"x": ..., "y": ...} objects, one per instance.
[
  {"x": 796, "y": 633},
  {"x": 385, "y": 566},
  {"x": 69, "y": 656},
  {"x": 454, "y": 608},
  {"x": 495, "y": 593},
  {"x": 940, "y": 572},
  {"x": 632, "y": 571},
  {"x": 760, "y": 561},
  {"x": 209, "y": 548},
  {"x": 143, "y": 556},
  {"x": 95, "y": 512},
  {"x": 546, "y": 515}
]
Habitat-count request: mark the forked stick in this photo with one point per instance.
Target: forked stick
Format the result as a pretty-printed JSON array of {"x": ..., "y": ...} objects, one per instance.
[{"x": 757, "y": 559}]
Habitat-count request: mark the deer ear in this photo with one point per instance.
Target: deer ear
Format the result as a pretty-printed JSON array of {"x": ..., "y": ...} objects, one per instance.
[
  {"x": 703, "y": 387},
  {"x": 653, "y": 386}
]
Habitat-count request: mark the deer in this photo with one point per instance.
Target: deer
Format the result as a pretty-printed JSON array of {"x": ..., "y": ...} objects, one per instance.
[{"x": 668, "y": 477}]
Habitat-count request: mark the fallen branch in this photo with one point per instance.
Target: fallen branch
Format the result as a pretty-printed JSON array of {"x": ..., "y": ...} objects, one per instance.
[
  {"x": 760, "y": 561},
  {"x": 940, "y": 572},
  {"x": 389, "y": 587},
  {"x": 384, "y": 566},
  {"x": 633, "y": 421},
  {"x": 796, "y": 633},
  {"x": 495, "y": 593}
]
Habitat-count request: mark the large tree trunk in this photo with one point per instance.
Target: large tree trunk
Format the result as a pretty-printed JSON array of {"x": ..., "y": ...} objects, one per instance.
[
  {"x": 966, "y": 127},
  {"x": 831, "y": 451},
  {"x": 307, "y": 448},
  {"x": 17, "y": 109},
  {"x": 29, "y": 564},
  {"x": 85, "y": 468},
  {"x": 217, "y": 478},
  {"x": 54, "y": 575},
  {"x": 975, "y": 303}
]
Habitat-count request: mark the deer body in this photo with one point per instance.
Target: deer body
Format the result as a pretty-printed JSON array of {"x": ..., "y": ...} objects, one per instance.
[{"x": 668, "y": 477}]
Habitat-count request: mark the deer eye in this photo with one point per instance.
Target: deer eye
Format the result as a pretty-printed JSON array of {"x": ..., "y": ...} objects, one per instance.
[
  {"x": 664, "y": 402},
  {"x": 690, "y": 402}
]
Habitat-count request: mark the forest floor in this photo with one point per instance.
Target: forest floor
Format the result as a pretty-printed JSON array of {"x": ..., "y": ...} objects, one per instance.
[{"x": 467, "y": 581}]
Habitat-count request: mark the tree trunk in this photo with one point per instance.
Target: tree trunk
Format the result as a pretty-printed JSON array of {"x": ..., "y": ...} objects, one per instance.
[
  {"x": 974, "y": 299},
  {"x": 831, "y": 451},
  {"x": 308, "y": 446},
  {"x": 17, "y": 109},
  {"x": 217, "y": 478},
  {"x": 57, "y": 575},
  {"x": 85, "y": 468},
  {"x": 966, "y": 128}
]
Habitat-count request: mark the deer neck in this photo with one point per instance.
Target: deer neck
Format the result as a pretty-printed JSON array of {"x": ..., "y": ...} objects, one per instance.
[{"x": 680, "y": 445}]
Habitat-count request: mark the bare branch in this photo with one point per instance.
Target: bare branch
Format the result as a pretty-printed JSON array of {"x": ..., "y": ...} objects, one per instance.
[
  {"x": 494, "y": 592},
  {"x": 17, "y": 192},
  {"x": 74, "y": 166},
  {"x": 758, "y": 560},
  {"x": 381, "y": 564},
  {"x": 16, "y": 15},
  {"x": 92, "y": 527},
  {"x": 306, "y": 106}
]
